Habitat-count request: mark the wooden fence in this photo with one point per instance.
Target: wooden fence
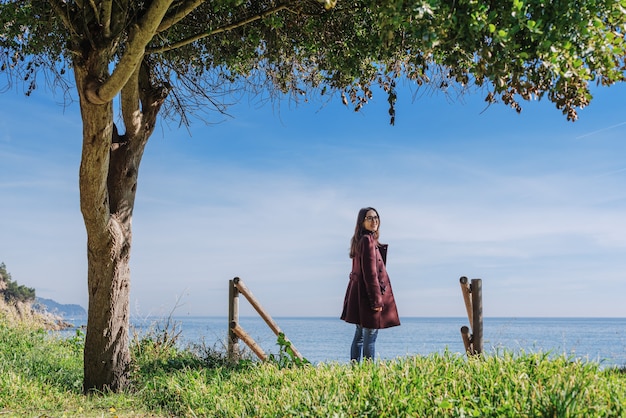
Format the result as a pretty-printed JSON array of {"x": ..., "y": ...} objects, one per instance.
[
  {"x": 236, "y": 332},
  {"x": 472, "y": 295},
  {"x": 472, "y": 339}
]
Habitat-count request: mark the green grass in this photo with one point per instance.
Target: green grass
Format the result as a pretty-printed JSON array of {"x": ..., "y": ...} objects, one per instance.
[{"x": 41, "y": 376}]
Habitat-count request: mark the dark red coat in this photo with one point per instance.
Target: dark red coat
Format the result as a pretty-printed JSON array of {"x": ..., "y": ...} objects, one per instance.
[{"x": 369, "y": 288}]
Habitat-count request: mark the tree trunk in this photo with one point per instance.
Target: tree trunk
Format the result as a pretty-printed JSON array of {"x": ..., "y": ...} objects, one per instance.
[
  {"x": 106, "y": 355},
  {"x": 108, "y": 182}
]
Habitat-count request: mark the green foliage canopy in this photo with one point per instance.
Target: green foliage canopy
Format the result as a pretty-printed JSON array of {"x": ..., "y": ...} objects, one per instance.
[{"x": 517, "y": 49}]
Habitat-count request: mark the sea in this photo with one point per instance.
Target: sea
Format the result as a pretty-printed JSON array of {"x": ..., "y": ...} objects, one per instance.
[{"x": 325, "y": 340}]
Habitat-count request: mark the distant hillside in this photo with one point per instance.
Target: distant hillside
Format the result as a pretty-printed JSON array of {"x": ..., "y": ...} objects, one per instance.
[{"x": 69, "y": 311}]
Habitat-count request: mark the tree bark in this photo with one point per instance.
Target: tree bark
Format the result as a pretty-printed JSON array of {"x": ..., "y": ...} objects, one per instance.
[
  {"x": 108, "y": 183},
  {"x": 107, "y": 354}
]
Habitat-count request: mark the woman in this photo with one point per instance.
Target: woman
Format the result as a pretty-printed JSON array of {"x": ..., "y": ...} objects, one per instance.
[{"x": 369, "y": 301}]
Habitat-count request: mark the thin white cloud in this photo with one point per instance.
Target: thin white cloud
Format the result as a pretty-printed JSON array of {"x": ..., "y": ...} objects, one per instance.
[{"x": 603, "y": 130}]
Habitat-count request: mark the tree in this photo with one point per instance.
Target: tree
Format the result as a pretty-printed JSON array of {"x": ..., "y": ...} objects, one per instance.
[
  {"x": 11, "y": 291},
  {"x": 177, "y": 58}
]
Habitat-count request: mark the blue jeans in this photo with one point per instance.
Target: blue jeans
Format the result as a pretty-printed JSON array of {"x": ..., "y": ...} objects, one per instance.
[{"x": 364, "y": 342}]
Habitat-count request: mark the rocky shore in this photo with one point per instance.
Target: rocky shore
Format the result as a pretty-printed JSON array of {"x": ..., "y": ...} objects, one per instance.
[{"x": 23, "y": 312}]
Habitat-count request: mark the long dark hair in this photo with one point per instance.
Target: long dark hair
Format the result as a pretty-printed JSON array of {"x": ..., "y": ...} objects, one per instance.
[{"x": 359, "y": 230}]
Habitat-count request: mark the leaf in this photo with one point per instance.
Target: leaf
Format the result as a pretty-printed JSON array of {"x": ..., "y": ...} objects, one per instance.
[{"x": 445, "y": 404}]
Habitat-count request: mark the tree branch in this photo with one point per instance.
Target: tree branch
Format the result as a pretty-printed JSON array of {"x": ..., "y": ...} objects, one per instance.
[
  {"x": 59, "y": 9},
  {"x": 140, "y": 35},
  {"x": 152, "y": 96},
  {"x": 95, "y": 11},
  {"x": 186, "y": 8},
  {"x": 226, "y": 28},
  {"x": 107, "y": 7},
  {"x": 131, "y": 113},
  {"x": 119, "y": 12}
]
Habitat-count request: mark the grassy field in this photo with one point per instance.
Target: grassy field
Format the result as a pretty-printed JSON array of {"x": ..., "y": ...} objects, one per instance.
[{"x": 41, "y": 376}]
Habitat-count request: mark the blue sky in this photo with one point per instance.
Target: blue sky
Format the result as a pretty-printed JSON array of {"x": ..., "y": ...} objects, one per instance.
[{"x": 531, "y": 204}]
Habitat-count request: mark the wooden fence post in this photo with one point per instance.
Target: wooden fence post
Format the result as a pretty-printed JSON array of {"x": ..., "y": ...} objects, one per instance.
[
  {"x": 233, "y": 317},
  {"x": 472, "y": 296},
  {"x": 477, "y": 312}
]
